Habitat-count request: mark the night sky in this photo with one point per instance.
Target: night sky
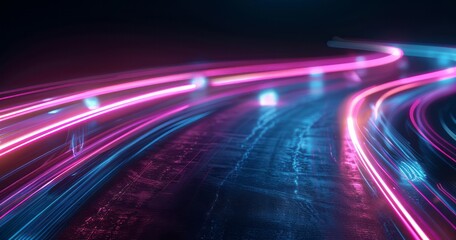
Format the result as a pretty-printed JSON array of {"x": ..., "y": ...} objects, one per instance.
[{"x": 55, "y": 41}]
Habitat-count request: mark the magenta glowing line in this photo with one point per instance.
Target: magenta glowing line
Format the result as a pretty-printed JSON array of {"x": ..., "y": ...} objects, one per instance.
[
  {"x": 444, "y": 191},
  {"x": 384, "y": 188},
  {"x": 418, "y": 118},
  {"x": 63, "y": 168},
  {"x": 28, "y": 108},
  {"x": 73, "y": 165},
  {"x": 421, "y": 132},
  {"x": 352, "y": 113},
  {"x": 394, "y": 54},
  {"x": 90, "y": 93},
  {"x": 37, "y": 134},
  {"x": 31, "y": 107}
]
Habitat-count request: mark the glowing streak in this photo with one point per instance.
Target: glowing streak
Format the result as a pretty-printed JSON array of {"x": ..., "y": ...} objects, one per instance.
[
  {"x": 412, "y": 171},
  {"x": 384, "y": 188},
  {"x": 352, "y": 113},
  {"x": 270, "y": 71},
  {"x": 73, "y": 165},
  {"x": 54, "y": 111},
  {"x": 393, "y": 55},
  {"x": 291, "y": 69},
  {"x": 52, "y": 128},
  {"x": 390, "y": 93},
  {"x": 89, "y": 94},
  {"x": 422, "y": 133}
]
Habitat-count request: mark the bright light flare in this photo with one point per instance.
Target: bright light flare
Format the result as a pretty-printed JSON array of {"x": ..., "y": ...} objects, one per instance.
[
  {"x": 199, "y": 82},
  {"x": 92, "y": 103},
  {"x": 268, "y": 98}
]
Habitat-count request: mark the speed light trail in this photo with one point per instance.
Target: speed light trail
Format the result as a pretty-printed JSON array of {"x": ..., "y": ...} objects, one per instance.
[
  {"x": 56, "y": 152},
  {"x": 363, "y": 111}
]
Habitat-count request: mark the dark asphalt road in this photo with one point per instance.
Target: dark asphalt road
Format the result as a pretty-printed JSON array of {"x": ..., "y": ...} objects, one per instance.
[{"x": 245, "y": 172}]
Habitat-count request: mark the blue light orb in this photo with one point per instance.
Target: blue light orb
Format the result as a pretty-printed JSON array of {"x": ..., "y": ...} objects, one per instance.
[
  {"x": 92, "y": 103},
  {"x": 54, "y": 111},
  {"x": 199, "y": 81},
  {"x": 268, "y": 98}
]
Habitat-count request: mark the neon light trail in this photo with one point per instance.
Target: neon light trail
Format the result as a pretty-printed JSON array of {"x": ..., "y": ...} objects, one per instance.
[{"x": 335, "y": 139}]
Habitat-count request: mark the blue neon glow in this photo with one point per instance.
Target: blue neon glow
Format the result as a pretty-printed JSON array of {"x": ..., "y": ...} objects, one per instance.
[
  {"x": 92, "y": 103},
  {"x": 268, "y": 98}
]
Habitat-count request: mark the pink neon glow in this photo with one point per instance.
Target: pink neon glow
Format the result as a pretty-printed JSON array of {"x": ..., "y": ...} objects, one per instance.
[
  {"x": 367, "y": 158},
  {"x": 65, "y": 167},
  {"x": 63, "y": 173},
  {"x": 91, "y": 93},
  {"x": 171, "y": 85},
  {"x": 423, "y": 134},
  {"x": 27, "y": 108},
  {"x": 419, "y": 120},
  {"x": 39, "y": 133},
  {"x": 393, "y": 55}
]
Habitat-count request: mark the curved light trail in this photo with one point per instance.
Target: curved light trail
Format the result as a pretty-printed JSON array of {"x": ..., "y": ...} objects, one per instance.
[
  {"x": 44, "y": 186},
  {"x": 364, "y": 110}
]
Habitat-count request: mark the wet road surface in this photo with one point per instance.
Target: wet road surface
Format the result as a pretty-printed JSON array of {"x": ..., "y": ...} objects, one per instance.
[{"x": 244, "y": 172}]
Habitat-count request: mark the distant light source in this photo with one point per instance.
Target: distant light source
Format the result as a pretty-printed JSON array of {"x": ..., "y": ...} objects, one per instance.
[
  {"x": 396, "y": 52},
  {"x": 316, "y": 72},
  {"x": 199, "y": 81},
  {"x": 54, "y": 111},
  {"x": 268, "y": 98},
  {"x": 92, "y": 103}
]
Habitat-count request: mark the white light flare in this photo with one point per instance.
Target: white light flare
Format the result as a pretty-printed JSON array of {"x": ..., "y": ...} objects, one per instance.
[
  {"x": 199, "y": 81},
  {"x": 268, "y": 98},
  {"x": 92, "y": 103}
]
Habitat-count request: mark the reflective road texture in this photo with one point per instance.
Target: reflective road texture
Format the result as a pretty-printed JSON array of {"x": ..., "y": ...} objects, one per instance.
[{"x": 353, "y": 147}]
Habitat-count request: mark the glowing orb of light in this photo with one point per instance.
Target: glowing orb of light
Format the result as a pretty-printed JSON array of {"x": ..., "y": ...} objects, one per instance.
[
  {"x": 54, "y": 111},
  {"x": 199, "y": 81},
  {"x": 92, "y": 103},
  {"x": 396, "y": 52},
  {"x": 268, "y": 98}
]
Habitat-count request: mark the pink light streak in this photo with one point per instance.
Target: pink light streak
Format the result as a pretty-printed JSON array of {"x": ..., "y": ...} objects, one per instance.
[
  {"x": 283, "y": 70},
  {"x": 32, "y": 107},
  {"x": 367, "y": 159},
  {"x": 41, "y": 132},
  {"x": 393, "y": 54},
  {"x": 44, "y": 180}
]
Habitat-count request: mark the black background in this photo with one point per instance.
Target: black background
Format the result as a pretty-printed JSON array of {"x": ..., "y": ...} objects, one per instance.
[{"x": 51, "y": 41}]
